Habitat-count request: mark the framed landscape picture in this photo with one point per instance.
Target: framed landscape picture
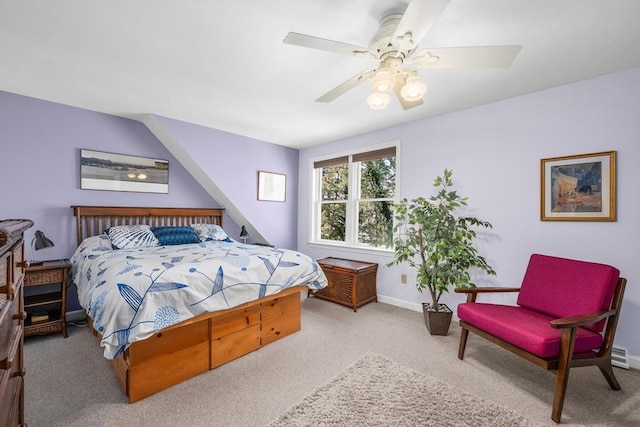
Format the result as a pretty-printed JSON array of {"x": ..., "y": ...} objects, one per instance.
[
  {"x": 578, "y": 188},
  {"x": 120, "y": 172}
]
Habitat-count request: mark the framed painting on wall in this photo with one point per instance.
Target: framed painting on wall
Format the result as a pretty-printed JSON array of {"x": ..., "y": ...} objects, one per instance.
[
  {"x": 578, "y": 188},
  {"x": 272, "y": 186},
  {"x": 120, "y": 172}
]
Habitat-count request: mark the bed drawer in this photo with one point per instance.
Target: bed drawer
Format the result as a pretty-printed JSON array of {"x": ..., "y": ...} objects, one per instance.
[
  {"x": 280, "y": 326},
  {"x": 229, "y": 347},
  {"x": 168, "y": 341},
  {"x": 279, "y": 306},
  {"x": 164, "y": 371},
  {"x": 234, "y": 321}
]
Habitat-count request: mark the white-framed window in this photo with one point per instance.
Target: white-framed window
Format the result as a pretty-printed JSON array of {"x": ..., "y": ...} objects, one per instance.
[{"x": 353, "y": 198}]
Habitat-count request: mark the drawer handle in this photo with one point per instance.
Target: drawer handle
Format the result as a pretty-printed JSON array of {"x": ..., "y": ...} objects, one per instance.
[
  {"x": 20, "y": 316},
  {"x": 22, "y": 264},
  {"x": 19, "y": 373},
  {"x": 17, "y": 339}
]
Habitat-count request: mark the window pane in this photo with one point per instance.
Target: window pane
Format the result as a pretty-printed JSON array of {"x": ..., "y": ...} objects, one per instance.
[
  {"x": 375, "y": 223},
  {"x": 333, "y": 221},
  {"x": 378, "y": 178},
  {"x": 335, "y": 182}
]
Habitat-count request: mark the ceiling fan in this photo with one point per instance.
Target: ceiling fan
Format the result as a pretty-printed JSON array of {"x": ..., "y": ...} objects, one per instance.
[{"x": 394, "y": 47}]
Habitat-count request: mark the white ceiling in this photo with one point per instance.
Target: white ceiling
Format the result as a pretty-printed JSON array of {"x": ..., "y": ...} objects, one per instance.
[{"x": 222, "y": 64}]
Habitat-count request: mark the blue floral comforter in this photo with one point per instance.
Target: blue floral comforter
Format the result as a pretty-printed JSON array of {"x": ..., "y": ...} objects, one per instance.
[{"x": 131, "y": 293}]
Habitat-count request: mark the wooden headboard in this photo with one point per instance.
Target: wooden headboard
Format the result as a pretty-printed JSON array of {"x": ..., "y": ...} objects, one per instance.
[{"x": 94, "y": 220}]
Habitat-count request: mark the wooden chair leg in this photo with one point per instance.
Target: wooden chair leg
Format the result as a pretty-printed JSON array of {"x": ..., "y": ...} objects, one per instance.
[
  {"x": 463, "y": 343},
  {"x": 607, "y": 370},
  {"x": 567, "y": 342}
]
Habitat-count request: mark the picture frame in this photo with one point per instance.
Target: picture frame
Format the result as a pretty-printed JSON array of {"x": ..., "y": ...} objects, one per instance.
[
  {"x": 100, "y": 170},
  {"x": 272, "y": 187},
  {"x": 578, "y": 188}
]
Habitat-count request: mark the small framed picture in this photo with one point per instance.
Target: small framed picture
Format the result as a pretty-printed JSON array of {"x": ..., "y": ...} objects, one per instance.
[
  {"x": 272, "y": 187},
  {"x": 578, "y": 188}
]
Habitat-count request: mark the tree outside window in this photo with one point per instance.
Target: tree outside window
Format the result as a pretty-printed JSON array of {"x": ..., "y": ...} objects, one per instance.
[{"x": 354, "y": 204}]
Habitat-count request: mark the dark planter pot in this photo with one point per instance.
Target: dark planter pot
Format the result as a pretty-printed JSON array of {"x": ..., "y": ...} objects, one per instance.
[{"x": 437, "y": 322}]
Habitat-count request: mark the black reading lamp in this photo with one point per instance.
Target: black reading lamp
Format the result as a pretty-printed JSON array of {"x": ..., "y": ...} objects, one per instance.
[
  {"x": 40, "y": 241},
  {"x": 244, "y": 235}
]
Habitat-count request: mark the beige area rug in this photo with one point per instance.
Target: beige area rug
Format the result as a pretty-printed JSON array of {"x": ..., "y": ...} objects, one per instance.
[{"x": 376, "y": 391}]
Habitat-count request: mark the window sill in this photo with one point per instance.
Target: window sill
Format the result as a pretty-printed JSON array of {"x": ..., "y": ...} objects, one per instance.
[{"x": 347, "y": 248}]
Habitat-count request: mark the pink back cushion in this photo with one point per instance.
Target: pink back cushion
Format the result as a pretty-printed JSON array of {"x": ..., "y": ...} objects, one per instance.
[{"x": 562, "y": 287}]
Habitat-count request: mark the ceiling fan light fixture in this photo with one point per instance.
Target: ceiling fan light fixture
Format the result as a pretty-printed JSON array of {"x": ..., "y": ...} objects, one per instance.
[
  {"x": 413, "y": 89},
  {"x": 378, "y": 100},
  {"x": 383, "y": 81}
]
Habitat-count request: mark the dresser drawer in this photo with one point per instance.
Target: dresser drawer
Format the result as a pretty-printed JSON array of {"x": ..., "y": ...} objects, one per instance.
[
  {"x": 10, "y": 355},
  {"x": 5, "y": 268},
  {"x": 12, "y": 271},
  {"x": 18, "y": 263},
  {"x": 44, "y": 277},
  {"x": 12, "y": 315},
  {"x": 11, "y": 380},
  {"x": 7, "y": 327},
  {"x": 11, "y": 387}
]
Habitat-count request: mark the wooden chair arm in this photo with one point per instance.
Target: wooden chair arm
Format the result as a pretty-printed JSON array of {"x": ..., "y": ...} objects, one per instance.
[
  {"x": 472, "y": 293},
  {"x": 582, "y": 319},
  {"x": 483, "y": 290}
]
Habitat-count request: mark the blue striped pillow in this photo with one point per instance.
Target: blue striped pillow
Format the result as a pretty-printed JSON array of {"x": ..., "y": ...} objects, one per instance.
[{"x": 175, "y": 235}]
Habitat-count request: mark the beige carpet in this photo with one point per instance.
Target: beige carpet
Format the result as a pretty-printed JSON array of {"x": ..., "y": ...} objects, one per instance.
[
  {"x": 376, "y": 391},
  {"x": 69, "y": 384}
]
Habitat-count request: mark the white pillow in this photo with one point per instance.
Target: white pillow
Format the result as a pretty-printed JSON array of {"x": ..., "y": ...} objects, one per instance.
[
  {"x": 208, "y": 232},
  {"x": 131, "y": 236}
]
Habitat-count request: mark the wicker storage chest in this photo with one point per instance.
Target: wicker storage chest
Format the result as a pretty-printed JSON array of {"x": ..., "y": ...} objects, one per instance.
[{"x": 351, "y": 283}]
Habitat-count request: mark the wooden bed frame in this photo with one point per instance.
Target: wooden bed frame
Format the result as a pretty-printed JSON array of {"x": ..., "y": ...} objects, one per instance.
[{"x": 196, "y": 345}]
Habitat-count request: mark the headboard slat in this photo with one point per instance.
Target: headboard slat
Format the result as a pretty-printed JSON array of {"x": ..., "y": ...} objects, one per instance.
[{"x": 94, "y": 220}]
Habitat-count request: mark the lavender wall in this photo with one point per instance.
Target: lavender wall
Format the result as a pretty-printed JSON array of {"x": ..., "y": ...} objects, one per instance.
[
  {"x": 40, "y": 146},
  {"x": 495, "y": 152},
  {"x": 232, "y": 162}
]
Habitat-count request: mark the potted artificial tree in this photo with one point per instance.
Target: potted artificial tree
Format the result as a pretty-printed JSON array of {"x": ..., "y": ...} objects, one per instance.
[{"x": 439, "y": 245}]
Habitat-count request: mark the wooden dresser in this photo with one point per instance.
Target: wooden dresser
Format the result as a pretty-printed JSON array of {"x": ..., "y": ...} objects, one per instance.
[{"x": 12, "y": 315}]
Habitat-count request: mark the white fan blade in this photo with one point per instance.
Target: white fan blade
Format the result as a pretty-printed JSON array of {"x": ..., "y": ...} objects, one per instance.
[
  {"x": 324, "y": 44},
  {"x": 418, "y": 19},
  {"x": 405, "y": 104},
  {"x": 346, "y": 86},
  {"x": 466, "y": 57}
]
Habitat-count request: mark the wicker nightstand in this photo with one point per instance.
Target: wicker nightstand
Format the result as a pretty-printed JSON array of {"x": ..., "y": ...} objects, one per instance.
[
  {"x": 351, "y": 283},
  {"x": 46, "y": 311}
]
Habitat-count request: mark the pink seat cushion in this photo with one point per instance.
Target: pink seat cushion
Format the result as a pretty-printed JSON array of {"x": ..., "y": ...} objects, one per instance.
[
  {"x": 524, "y": 328},
  {"x": 563, "y": 287}
]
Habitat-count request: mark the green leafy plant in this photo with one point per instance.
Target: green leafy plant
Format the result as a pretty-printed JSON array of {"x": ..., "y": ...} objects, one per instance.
[{"x": 439, "y": 244}]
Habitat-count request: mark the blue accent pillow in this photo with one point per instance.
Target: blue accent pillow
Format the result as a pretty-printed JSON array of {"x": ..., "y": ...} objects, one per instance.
[
  {"x": 175, "y": 235},
  {"x": 208, "y": 232}
]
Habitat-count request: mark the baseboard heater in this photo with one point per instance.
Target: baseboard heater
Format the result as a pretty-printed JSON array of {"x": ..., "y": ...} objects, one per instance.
[{"x": 619, "y": 357}]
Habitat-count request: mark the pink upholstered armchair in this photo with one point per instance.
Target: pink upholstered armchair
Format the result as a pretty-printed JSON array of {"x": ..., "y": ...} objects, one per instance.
[{"x": 558, "y": 322}]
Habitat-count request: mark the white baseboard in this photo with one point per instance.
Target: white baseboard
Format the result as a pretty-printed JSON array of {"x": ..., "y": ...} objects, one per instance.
[
  {"x": 400, "y": 303},
  {"x": 633, "y": 361}
]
